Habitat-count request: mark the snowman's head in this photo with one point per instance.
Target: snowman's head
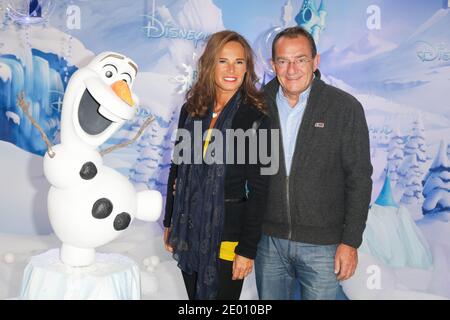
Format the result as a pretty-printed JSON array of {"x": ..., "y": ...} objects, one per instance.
[{"x": 98, "y": 100}]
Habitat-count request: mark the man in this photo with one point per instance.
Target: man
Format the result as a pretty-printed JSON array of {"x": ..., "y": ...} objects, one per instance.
[{"x": 318, "y": 202}]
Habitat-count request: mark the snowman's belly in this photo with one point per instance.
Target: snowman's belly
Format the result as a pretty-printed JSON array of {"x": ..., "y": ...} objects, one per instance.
[{"x": 87, "y": 216}]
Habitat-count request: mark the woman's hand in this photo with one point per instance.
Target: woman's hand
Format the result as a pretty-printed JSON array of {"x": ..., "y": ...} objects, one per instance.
[
  {"x": 242, "y": 267},
  {"x": 166, "y": 239}
]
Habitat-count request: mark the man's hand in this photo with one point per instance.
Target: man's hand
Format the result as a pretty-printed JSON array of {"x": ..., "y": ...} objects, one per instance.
[
  {"x": 242, "y": 267},
  {"x": 345, "y": 261},
  {"x": 166, "y": 239}
]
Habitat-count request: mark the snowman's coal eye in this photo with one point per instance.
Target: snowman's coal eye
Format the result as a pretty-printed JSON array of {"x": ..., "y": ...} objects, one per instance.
[
  {"x": 109, "y": 70},
  {"x": 126, "y": 77}
]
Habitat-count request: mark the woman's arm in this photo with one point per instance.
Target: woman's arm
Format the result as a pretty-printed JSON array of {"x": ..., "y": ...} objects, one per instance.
[{"x": 257, "y": 197}]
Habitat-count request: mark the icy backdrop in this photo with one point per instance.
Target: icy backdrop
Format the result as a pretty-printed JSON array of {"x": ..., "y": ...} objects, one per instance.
[{"x": 399, "y": 72}]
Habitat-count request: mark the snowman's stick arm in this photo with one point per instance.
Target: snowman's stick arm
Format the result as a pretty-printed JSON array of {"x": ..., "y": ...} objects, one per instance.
[
  {"x": 26, "y": 110},
  {"x": 124, "y": 144}
]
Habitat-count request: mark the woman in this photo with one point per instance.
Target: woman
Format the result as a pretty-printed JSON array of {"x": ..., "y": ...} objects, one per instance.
[{"x": 213, "y": 210}]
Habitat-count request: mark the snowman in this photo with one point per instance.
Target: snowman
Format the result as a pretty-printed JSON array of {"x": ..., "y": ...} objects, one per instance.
[{"x": 90, "y": 204}]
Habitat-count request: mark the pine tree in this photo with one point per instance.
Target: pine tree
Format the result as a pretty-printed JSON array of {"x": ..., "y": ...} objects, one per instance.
[
  {"x": 395, "y": 156},
  {"x": 413, "y": 191},
  {"x": 437, "y": 186},
  {"x": 411, "y": 175},
  {"x": 146, "y": 163},
  {"x": 409, "y": 168},
  {"x": 415, "y": 159},
  {"x": 151, "y": 168},
  {"x": 384, "y": 137},
  {"x": 416, "y": 142}
]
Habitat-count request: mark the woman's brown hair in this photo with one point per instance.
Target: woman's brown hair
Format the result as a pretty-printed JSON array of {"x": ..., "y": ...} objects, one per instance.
[{"x": 203, "y": 93}]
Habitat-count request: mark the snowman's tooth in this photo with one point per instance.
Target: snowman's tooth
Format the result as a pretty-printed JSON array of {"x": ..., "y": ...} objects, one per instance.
[{"x": 108, "y": 114}]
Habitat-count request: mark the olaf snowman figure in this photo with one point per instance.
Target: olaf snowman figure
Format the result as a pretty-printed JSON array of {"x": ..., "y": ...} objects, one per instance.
[{"x": 90, "y": 204}]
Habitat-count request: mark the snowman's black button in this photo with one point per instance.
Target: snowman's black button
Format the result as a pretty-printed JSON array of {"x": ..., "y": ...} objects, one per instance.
[
  {"x": 88, "y": 171},
  {"x": 122, "y": 221},
  {"x": 102, "y": 208}
]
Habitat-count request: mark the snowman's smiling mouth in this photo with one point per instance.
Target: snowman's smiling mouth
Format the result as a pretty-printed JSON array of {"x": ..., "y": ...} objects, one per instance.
[{"x": 91, "y": 121}]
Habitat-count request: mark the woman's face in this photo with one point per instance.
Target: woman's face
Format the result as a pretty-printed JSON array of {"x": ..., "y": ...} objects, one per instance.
[{"x": 230, "y": 68}]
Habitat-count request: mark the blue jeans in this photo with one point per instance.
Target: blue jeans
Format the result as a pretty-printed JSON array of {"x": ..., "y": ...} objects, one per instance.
[{"x": 283, "y": 266}]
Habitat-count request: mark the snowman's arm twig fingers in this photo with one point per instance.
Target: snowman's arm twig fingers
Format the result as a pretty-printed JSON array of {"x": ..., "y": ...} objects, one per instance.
[
  {"x": 26, "y": 110},
  {"x": 124, "y": 144}
]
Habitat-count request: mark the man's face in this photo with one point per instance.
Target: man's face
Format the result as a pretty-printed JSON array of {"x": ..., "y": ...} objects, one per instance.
[{"x": 294, "y": 65}]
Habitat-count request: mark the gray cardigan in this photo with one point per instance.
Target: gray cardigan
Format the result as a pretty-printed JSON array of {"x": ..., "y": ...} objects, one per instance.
[{"x": 326, "y": 197}]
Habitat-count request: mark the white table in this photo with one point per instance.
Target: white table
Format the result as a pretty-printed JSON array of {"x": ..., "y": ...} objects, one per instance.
[{"x": 111, "y": 277}]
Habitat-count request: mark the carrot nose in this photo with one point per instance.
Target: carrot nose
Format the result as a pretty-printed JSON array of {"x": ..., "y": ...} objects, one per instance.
[{"x": 123, "y": 91}]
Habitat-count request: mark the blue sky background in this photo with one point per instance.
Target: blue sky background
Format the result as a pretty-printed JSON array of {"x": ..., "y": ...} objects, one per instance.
[{"x": 346, "y": 20}]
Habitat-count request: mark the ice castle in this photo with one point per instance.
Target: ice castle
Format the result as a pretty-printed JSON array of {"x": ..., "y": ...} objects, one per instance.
[
  {"x": 391, "y": 235},
  {"x": 311, "y": 18},
  {"x": 385, "y": 197}
]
